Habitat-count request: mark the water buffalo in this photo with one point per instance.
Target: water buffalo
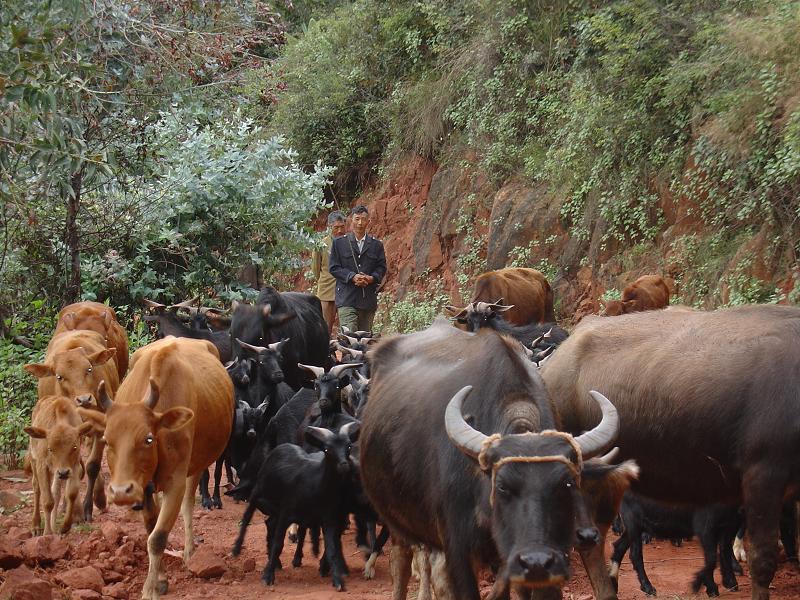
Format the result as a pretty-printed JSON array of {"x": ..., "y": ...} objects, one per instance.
[
  {"x": 503, "y": 490},
  {"x": 709, "y": 407},
  {"x": 278, "y": 315}
]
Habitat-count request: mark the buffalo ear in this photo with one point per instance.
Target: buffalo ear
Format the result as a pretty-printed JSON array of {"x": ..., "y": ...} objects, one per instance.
[
  {"x": 175, "y": 418},
  {"x": 96, "y": 420},
  {"x": 40, "y": 370},
  {"x": 103, "y": 356},
  {"x": 36, "y": 432}
]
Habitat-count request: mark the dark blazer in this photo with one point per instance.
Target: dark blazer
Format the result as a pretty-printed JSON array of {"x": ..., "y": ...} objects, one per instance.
[{"x": 345, "y": 262}]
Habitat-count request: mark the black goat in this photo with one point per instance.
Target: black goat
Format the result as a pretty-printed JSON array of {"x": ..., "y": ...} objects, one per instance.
[
  {"x": 297, "y": 487},
  {"x": 715, "y": 527},
  {"x": 266, "y": 379},
  {"x": 484, "y": 314}
]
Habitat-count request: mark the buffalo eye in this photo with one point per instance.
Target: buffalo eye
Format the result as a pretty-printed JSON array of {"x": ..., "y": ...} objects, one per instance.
[{"x": 149, "y": 439}]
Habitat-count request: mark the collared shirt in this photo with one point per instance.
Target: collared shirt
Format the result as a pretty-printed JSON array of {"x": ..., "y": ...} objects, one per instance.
[{"x": 360, "y": 243}]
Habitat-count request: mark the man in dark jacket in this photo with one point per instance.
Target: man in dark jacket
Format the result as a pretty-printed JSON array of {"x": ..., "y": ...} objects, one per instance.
[{"x": 358, "y": 263}]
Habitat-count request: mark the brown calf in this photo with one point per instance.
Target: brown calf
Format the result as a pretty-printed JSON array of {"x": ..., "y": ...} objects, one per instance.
[
  {"x": 74, "y": 365},
  {"x": 649, "y": 292},
  {"x": 526, "y": 289},
  {"x": 93, "y": 316},
  {"x": 54, "y": 453},
  {"x": 171, "y": 419}
]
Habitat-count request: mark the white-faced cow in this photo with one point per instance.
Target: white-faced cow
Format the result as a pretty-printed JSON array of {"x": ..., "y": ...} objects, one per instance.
[{"x": 709, "y": 405}]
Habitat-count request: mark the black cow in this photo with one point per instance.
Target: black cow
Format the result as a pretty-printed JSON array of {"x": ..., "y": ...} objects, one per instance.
[
  {"x": 277, "y": 315},
  {"x": 708, "y": 403},
  {"x": 714, "y": 526},
  {"x": 510, "y": 500},
  {"x": 168, "y": 323}
]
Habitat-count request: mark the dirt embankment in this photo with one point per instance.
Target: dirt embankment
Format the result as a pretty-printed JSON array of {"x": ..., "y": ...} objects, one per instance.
[{"x": 107, "y": 559}]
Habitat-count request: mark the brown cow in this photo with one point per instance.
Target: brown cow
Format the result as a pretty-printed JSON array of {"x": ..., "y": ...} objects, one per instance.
[
  {"x": 54, "y": 453},
  {"x": 94, "y": 316},
  {"x": 171, "y": 419},
  {"x": 649, "y": 292},
  {"x": 526, "y": 289},
  {"x": 74, "y": 365}
]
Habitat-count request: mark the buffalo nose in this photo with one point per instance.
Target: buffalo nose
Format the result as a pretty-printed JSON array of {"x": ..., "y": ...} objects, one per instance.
[
  {"x": 537, "y": 564},
  {"x": 587, "y": 537},
  {"x": 64, "y": 473},
  {"x": 84, "y": 401}
]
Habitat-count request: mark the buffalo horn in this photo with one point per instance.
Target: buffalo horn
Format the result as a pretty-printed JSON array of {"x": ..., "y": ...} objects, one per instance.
[
  {"x": 541, "y": 355},
  {"x": 535, "y": 342},
  {"x": 187, "y": 304},
  {"x": 610, "y": 457},
  {"x": 596, "y": 441},
  {"x": 246, "y": 346},
  {"x": 103, "y": 397},
  {"x": 152, "y": 396},
  {"x": 339, "y": 369},
  {"x": 151, "y": 304},
  {"x": 465, "y": 438},
  {"x": 317, "y": 371}
]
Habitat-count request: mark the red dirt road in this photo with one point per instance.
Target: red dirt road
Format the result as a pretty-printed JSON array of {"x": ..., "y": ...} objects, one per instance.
[{"x": 670, "y": 569}]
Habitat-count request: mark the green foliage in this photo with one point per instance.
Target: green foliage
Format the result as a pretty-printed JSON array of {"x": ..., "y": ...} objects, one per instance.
[
  {"x": 17, "y": 387},
  {"x": 220, "y": 196},
  {"x": 414, "y": 312}
]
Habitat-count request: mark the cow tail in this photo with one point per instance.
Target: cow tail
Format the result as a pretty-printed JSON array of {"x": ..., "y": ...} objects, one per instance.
[{"x": 549, "y": 313}]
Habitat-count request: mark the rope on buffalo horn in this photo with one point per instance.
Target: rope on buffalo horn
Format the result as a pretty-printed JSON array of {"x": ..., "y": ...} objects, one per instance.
[{"x": 483, "y": 459}]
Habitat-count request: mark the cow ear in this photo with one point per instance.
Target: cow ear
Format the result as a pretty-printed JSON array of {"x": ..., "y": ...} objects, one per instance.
[
  {"x": 96, "y": 420},
  {"x": 175, "y": 418},
  {"x": 40, "y": 370},
  {"x": 69, "y": 321},
  {"x": 36, "y": 432},
  {"x": 103, "y": 356}
]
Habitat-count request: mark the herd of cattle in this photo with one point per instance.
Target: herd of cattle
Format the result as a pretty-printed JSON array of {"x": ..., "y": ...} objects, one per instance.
[{"x": 493, "y": 438}]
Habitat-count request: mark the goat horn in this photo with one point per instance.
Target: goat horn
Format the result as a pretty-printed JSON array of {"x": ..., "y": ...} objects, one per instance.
[
  {"x": 256, "y": 349},
  {"x": 339, "y": 369},
  {"x": 317, "y": 371}
]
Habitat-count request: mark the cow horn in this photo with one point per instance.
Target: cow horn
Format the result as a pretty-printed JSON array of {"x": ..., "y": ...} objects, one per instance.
[
  {"x": 152, "y": 397},
  {"x": 103, "y": 398},
  {"x": 317, "y": 371},
  {"x": 596, "y": 441},
  {"x": 339, "y": 369},
  {"x": 465, "y": 438},
  {"x": 245, "y": 345}
]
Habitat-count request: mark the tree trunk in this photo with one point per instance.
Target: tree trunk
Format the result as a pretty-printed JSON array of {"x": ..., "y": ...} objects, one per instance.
[{"x": 73, "y": 203}]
